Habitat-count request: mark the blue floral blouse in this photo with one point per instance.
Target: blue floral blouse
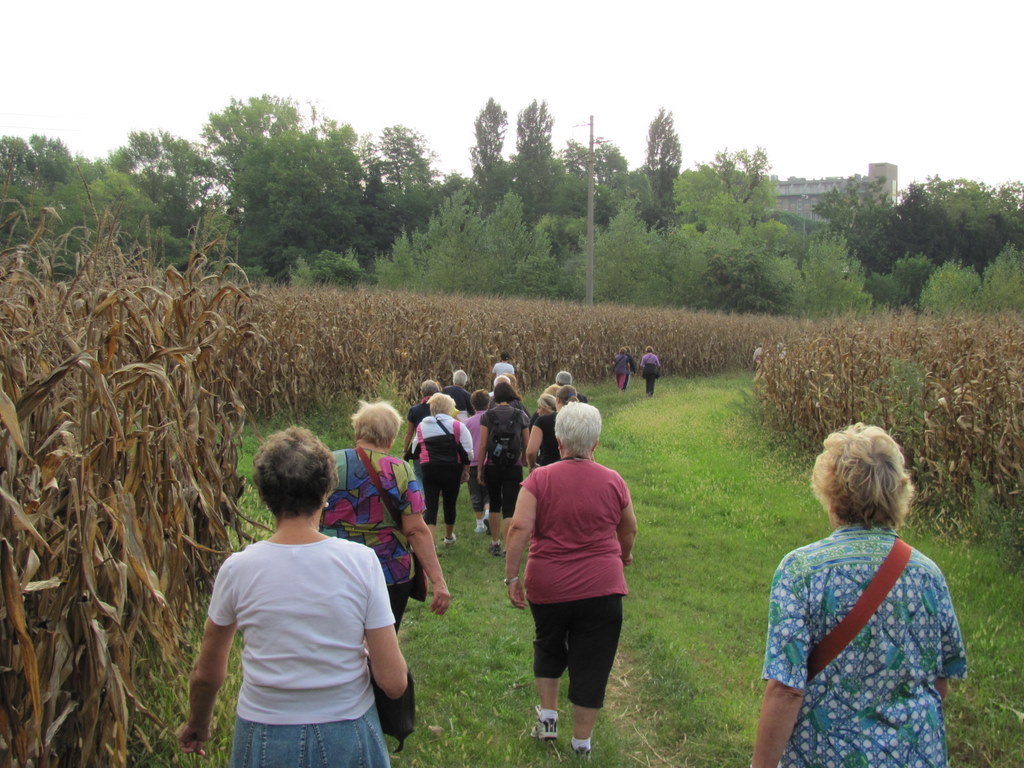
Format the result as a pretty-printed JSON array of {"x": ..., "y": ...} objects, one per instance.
[{"x": 876, "y": 704}]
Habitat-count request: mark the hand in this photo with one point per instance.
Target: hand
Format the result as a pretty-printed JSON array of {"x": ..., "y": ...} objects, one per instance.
[
  {"x": 192, "y": 739},
  {"x": 465, "y": 475},
  {"x": 480, "y": 476},
  {"x": 627, "y": 559},
  {"x": 515, "y": 594},
  {"x": 442, "y": 600}
]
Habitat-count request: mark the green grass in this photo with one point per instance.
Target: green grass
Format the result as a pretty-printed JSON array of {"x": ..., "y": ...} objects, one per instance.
[{"x": 719, "y": 503}]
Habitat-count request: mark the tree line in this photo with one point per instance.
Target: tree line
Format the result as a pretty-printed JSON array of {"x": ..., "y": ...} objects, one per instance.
[{"x": 294, "y": 196}]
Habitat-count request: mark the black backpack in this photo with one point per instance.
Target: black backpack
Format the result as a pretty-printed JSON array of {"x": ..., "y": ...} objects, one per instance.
[{"x": 505, "y": 436}]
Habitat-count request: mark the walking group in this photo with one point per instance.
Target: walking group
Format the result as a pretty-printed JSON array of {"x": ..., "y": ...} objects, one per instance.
[{"x": 320, "y": 602}]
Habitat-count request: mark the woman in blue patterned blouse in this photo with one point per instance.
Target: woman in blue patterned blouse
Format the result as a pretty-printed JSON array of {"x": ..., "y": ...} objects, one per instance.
[{"x": 878, "y": 704}]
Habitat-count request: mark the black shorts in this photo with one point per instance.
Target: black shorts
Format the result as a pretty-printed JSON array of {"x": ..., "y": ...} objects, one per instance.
[{"x": 581, "y": 636}]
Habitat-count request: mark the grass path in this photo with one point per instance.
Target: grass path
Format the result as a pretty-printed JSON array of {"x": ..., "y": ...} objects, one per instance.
[{"x": 719, "y": 504}]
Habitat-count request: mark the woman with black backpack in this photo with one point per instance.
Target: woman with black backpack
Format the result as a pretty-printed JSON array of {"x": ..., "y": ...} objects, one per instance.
[
  {"x": 504, "y": 433},
  {"x": 443, "y": 445}
]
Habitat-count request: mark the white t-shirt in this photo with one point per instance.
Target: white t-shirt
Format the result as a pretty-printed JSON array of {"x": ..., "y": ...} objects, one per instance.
[
  {"x": 503, "y": 368},
  {"x": 303, "y": 611}
]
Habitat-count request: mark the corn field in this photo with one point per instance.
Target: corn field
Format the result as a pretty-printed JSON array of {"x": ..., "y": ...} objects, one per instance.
[
  {"x": 322, "y": 342},
  {"x": 124, "y": 393},
  {"x": 950, "y": 390},
  {"x": 120, "y": 422}
]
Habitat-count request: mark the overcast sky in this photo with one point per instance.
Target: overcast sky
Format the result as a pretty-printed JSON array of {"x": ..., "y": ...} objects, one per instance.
[{"x": 825, "y": 88}]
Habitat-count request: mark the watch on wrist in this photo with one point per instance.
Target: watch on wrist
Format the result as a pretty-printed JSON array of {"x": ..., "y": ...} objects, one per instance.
[{"x": 513, "y": 580}]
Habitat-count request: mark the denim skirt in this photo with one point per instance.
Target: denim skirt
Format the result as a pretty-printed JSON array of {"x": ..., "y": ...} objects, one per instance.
[{"x": 355, "y": 743}]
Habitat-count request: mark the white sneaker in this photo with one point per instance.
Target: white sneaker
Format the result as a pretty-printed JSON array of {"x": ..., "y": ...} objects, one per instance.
[
  {"x": 449, "y": 540},
  {"x": 481, "y": 527}
]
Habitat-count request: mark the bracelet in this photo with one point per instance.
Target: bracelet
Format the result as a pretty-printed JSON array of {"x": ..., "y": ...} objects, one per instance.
[{"x": 510, "y": 582}]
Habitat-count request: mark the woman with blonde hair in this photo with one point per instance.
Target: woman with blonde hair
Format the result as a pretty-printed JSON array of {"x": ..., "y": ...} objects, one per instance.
[
  {"x": 542, "y": 448},
  {"x": 311, "y": 610},
  {"x": 443, "y": 445},
  {"x": 870, "y": 692},
  {"x": 356, "y": 510}
]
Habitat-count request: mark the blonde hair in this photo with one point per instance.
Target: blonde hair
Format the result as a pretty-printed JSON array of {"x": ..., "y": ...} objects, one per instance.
[
  {"x": 441, "y": 403},
  {"x": 553, "y": 389},
  {"x": 547, "y": 402},
  {"x": 376, "y": 423},
  {"x": 861, "y": 478}
]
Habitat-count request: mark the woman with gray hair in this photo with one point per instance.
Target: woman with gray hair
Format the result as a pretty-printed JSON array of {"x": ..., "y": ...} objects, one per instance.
[
  {"x": 578, "y": 519},
  {"x": 870, "y": 692}
]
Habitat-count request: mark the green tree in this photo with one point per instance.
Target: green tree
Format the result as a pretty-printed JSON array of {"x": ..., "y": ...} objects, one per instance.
[
  {"x": 299, "y": 194},
  {"x": 664, "y": 159},
  {"x": 243, "y": 126},
  {"x": 534, "y": 168},
  {"x": 833, "y": 281},
  {"x": 951, "y": 288},
  {"x": 732, "y": 193},
  {"x": 626, "y": 261},
  {"x": 491, "y": 171},
  {"x": 910, "y": 275},
  {"x": 861, "y": 214},
  {"x": 401, "y": 189},
  {"x": 1002, "y": 285},
  {"x": 176, "y": 178}
]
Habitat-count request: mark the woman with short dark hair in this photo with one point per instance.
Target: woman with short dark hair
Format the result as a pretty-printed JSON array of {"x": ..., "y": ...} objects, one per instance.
[{"x": 311, "y": 610}]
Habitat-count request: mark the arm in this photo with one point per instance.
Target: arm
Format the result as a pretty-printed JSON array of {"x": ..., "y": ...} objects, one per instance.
[
  {"x": 207, "y": 677},
  {"x": 387, "y": 665},
  {"x": 779, "y": 711},
  {"x": 519, "y": 532},
  {"x": 409, "y": 429},
  {"x": 422, "y": 542},
  {"x": 480, "y": 450},
  {"x": 626, "y": 533},
  {"x": 524, "y": 440},
  {"x": 942, "y": 686},
  {"x": 533, "y": 446}
]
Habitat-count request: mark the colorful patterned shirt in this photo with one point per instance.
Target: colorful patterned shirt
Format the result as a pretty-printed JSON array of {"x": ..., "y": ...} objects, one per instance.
[
  {"x": 355, "y": 512},
  {"x": 876, "y": 704}
]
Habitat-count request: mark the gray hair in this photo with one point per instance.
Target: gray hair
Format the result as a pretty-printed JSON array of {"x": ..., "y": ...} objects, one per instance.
[
  {"x": 577, "y": 427},
  {"x": 429, "y": 387},
  {"x": 459, "y": 378},
  {"x": 563, "y": 378}
]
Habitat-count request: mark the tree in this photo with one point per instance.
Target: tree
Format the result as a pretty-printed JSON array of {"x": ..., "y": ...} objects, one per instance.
[
  {"x": 861, "y": 214},
  {"x": 534, "y": 168},
  {"x": 910, "y": 275},
  {"x": 401, "y": 190},
  {"x": 664, "y": 159},
  {"x": 833, "y": 281},
  {"x": 490, "y": 169},
  {"x": 625, "y": 261},
  {"x": 951, "y": 288},
  {"x": 1002, "y": 285},
  {"x": 299, "y": 194},
  {"x": 732, "y": 193},
  {"x": 175, "y": 177},
  {"x": 230, "y": 135}
]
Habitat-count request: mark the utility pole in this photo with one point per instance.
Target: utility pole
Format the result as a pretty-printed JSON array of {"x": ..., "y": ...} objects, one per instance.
[{"x": 590, "y": 217}]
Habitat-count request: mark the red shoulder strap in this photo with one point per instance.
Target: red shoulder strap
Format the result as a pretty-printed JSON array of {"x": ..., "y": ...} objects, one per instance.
[{"x": 873, "y": 596}]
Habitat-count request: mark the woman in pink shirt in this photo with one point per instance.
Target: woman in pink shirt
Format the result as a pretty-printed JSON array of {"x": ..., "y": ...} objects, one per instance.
[{"x": 578, "y": 518}]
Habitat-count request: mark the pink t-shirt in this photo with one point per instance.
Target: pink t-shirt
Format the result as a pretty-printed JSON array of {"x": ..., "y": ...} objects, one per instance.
[{"x": 574, "y": 550}]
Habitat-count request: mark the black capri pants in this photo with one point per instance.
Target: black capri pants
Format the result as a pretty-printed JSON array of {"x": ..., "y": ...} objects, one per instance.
[
  {"x": 503, "y": 487},
  {"x": 581, "y": 636},
  {"x": 444, "y": 481}
]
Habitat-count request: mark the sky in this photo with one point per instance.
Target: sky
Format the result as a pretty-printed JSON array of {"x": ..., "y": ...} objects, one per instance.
[{"x": 824, "y": 88}]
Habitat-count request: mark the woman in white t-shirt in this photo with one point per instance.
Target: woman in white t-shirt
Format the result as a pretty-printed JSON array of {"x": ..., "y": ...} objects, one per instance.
[{"x": 310, "y": 609}]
